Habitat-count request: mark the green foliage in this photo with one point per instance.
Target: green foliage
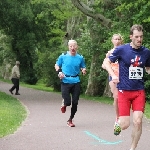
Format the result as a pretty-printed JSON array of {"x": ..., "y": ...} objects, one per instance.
[
  {"x": 33, "y": 27},
  {"x": 147, "y": 111},
  {"x": 123, "y": 14},
  {"x": 17, "y": 21},
  {"x": 46, "y": 70},
  {"x": 48, "y": 52},
  {"x": 5, "y": 48},
  {"x": 35, "y": 32},
  {"x": 89, "y": 46},
  {"x": 85, "y": 49},
  {"x": 30, "y": 77},
  {"x": 147, "y": 87}
]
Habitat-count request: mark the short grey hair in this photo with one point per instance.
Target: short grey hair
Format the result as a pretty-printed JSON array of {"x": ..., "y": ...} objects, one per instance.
[{"x": 72, "y": 41}]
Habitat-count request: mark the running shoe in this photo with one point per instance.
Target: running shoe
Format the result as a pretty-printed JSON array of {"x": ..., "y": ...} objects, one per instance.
[
  {"x": 63, "y": 107},
  {"x": 117, "y": 129},
  {"x": 70, "y": 124},
  {"x": 11, "y": 91}
]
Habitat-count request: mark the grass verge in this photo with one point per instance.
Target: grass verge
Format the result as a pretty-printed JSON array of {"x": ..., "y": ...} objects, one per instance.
[
  {"x": 38, "y": 86},
  {"x": 12, "y": 114},
  {"x": 147, "y": 111}
]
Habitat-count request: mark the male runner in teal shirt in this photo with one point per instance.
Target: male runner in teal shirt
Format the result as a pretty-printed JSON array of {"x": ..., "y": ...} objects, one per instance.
[{"x": 68, "y": 66}]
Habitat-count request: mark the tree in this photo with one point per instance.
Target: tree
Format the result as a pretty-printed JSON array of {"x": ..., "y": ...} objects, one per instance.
[
  {"x": 98, "y": 35},
  {"x": 5, "y": 57},
  {"x": 30, "y": 26},
  {"x": 84, "y": 8},
  {"x": 17, "y": 22},
  {"x": 123, "y": 14}
]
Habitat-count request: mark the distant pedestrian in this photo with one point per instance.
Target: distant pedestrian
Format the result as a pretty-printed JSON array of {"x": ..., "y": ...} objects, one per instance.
[
  {"x": 15, "y": 76},
  {"x": 68, "y": 66}
]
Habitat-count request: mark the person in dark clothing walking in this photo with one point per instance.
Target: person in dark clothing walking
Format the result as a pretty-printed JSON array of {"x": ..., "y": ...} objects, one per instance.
[{"x": 15, "y": 78}]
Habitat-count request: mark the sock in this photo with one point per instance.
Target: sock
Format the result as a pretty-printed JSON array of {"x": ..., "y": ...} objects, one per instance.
[{"x": 118, "y": 121}]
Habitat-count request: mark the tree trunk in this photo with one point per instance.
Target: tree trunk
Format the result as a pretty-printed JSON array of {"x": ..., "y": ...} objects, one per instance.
[
  {"x": 92, "y": 87},
  {"x": 93, "y": 83},
  {"x": 107, "y": 91},
  {"x": 71, "y": 29}
]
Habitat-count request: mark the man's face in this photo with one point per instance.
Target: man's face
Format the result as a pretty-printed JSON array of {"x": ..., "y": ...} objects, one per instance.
[
  {"x": 73, "y": 48},
  {"x": 136, "y": 39}
]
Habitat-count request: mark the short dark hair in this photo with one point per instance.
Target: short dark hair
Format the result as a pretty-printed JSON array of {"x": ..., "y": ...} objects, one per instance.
[{"x": 136, "y": 27}]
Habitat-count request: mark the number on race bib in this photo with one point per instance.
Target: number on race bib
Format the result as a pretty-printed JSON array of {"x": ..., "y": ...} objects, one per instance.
[{"x": 135, "y": 73}]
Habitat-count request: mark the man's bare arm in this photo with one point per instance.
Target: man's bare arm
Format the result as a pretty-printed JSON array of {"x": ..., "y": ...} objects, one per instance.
[
  {"x": 56, "y": 67},
  {"x": 107, "y": 64},
  {"x": 107, "y": 55}
]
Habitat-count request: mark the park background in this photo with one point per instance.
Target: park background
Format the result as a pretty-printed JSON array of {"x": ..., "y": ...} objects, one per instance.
[{"x": 36, "y": 32}]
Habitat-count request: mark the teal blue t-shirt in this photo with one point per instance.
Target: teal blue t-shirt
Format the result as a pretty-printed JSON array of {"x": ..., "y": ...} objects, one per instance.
[{"x": 71, "y": 66}]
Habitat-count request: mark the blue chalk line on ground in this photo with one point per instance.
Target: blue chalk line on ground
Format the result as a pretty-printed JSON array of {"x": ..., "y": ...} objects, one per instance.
[{"x": 100, "y": 140}]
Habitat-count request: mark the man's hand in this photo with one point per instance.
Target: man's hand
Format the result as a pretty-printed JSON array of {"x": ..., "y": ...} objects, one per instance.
[
  {"x": 103, "y": 66},
  {"x": 115, "y": 79},
  {"x": 83, "y": 71},
  {"x": 61, "y": 75},
  {"x": 59, "y": 71}
]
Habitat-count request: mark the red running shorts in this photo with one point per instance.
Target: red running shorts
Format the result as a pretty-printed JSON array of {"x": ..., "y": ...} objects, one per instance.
[{"x": 131, "y": 99}]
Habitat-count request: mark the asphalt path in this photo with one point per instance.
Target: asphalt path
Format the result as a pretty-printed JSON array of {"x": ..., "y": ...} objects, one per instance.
[{"x": 45, "y": 127}]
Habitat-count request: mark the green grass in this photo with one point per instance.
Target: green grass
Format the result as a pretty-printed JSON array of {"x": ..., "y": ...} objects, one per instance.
[
  {"x": 12, "y": 114},
  {"x": 147, "y": 111},
  {"x": 38, "y": 86},
  {"x": 106, "y": 100}
]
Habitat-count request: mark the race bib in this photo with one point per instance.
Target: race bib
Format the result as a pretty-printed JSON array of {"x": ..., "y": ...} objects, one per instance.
[{"x": 135, "y": 73}]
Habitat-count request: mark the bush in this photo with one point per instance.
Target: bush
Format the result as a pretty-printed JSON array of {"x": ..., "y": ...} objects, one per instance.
[
  {"x": 147, "y": 87},
  {"x": 30, "y": 77}
]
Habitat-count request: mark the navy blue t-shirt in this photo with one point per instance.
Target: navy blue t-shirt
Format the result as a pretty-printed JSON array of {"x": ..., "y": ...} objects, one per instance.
[{"x": 130, "y": 57}]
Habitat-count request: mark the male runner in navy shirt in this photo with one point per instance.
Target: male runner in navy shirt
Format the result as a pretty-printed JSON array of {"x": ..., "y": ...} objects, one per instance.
[
  {"x": 68, "y": 66},
  {"x": 132, "y": 59}
]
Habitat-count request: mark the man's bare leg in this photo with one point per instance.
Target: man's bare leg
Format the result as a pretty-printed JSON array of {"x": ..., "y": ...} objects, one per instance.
[
  {"x": 114, "y": 91},
  {"x": 124, "y": 122},
  {"x": 137, "y": 128}
]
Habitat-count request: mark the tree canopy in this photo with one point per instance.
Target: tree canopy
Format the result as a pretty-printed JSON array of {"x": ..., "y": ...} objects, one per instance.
[{"x": 36, "y": 33}]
